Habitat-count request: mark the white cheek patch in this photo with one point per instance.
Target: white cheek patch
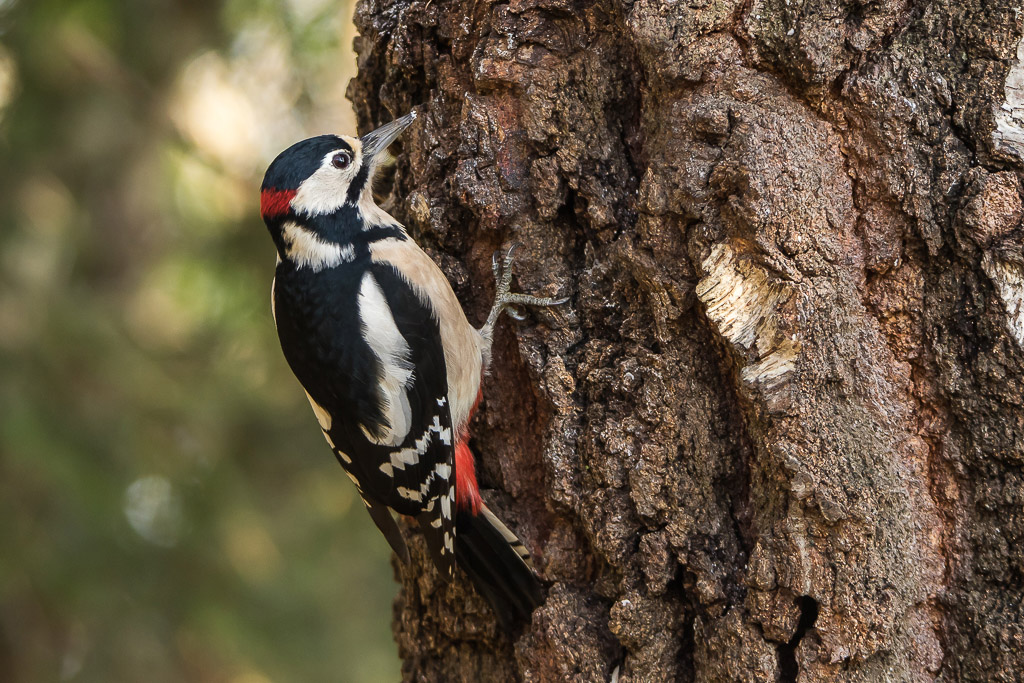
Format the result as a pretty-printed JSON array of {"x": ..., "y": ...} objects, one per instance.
[
  {"x": 306, "y": 250},
  {"x": 326, "y": 190},
  {"x": 396, "y": 370}
]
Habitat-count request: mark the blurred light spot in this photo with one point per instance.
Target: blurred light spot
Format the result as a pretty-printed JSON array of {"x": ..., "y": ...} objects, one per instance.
[
  {"x": 89, "y": 49},
  {"x": 47, "y": 205},
  {"x": 215, "y": 114},
  {"x": 334, "y": 112},
  {"x": 8, "y": 77},
  {"x": 153, "y": 509},
  {"x": 209, "y": 199},
  {"x": 250, "y": 549},
  {"x": 242, "y": 110},
  {"x": 35, "y": 257},
  {"x": 195, "y": 444},
  {"x": 305, "y": 11},
  {"x": 263, "y": 68},
  {"x": 70, "y": 665},
  {"x": 75, "y": 650},
  {"x": 174, "y": 300}
]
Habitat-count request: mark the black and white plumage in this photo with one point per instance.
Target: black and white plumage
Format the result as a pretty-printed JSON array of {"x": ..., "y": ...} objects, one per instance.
[{"x": 391, "y": 366}]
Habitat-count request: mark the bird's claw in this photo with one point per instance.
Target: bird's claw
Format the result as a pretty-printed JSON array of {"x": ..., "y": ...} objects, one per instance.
[
  {"x": 501, "y": 264},
  {"x": 506, "y": 300},
  {"x": 515, "y": 313}
]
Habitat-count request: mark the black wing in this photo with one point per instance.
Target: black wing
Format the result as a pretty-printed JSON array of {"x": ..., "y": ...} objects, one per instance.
[
  {"x": 416, "y": 477},
  {"x": 318, "y": 321}
]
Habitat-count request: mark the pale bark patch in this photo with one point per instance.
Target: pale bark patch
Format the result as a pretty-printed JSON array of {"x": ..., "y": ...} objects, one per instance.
[
  {"x": 742, "y": 300},
  {"x": 1008, "y": 278},
  {"x": 1009, "y": 133}
]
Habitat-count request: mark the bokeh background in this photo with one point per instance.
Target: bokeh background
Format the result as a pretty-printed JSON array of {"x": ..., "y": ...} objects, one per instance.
[{"x": 168, "y": 509}]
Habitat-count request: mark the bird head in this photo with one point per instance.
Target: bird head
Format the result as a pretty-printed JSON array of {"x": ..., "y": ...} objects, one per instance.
[{"x": 319, "y": 192}]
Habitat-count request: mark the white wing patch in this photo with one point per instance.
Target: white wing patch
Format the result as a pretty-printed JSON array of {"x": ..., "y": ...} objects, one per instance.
[
  {"x": 463, "y": 345},
  {"x": 404, "y": 457},
  {"x": 382, "y": 335},
  {"x": 442, "y": 470},
  {"x": 409, "y": 494},
  {"x": 439, "y": 477},
  {"x": 449, "y": 542}
]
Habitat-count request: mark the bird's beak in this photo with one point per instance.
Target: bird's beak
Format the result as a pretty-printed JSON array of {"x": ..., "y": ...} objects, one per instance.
[{"x": 377, "y": 141}]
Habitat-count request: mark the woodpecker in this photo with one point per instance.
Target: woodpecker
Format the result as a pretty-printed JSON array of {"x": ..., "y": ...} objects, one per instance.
[{"x": 392, "y": 368}]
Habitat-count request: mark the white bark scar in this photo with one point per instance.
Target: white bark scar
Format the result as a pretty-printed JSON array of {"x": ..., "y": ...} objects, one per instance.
[
  {"x": 1008, "y": 278},
  {"x": 1009, "y": 133},
  {"x": 741, "y": 300}
]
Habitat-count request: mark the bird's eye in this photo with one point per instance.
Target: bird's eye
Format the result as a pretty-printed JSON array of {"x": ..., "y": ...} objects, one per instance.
[{"x": 341, "y": 160}]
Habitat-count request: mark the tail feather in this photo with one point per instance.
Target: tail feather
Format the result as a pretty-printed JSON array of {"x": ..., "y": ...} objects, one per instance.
[
  {"x": 507, "y": 534},
  {"x": 499, "y": 566}
]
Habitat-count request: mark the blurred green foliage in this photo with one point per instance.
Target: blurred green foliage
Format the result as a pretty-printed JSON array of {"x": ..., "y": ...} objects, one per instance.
[{"x": 168, "y": 508}]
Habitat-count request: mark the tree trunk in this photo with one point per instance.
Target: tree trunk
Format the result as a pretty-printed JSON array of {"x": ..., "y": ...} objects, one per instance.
[{"x": 778, "y": 432}]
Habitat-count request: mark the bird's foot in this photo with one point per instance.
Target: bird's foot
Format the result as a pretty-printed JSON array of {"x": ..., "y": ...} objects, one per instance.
[{"x": 504, "y": 299}]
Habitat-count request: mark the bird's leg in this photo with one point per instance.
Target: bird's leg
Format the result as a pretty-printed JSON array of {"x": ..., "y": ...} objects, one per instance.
[{"x": 501, "y": 264}]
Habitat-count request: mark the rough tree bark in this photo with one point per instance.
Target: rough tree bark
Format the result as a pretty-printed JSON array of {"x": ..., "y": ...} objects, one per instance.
[{"x": 777, "y": 434}]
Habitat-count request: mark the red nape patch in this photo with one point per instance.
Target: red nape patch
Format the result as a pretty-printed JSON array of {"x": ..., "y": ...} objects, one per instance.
[
  {"x": 467, "y": 493},
  {"x": 275, "y": 202}
]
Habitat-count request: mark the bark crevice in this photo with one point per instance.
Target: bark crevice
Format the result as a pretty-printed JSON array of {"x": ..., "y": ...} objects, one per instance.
[{"x": 789, "y": 668}]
